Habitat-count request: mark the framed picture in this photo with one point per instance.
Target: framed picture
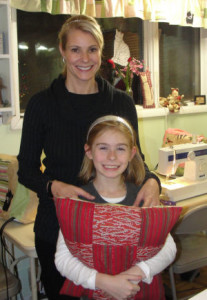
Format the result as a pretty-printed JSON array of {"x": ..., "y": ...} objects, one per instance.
[{"x": 200, "y": 99}]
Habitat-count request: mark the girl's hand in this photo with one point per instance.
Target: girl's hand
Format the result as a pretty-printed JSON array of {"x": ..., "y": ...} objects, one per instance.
[
  {"x": 119, "y": 286},
  {"x": 61, "y": 189},
  {"x": 149, "y": 193},
  {"x": 135, "y": 270}
]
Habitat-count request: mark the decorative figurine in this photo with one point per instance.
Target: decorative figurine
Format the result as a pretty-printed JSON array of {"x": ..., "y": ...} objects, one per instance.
[{"x": 173, "y": 100}]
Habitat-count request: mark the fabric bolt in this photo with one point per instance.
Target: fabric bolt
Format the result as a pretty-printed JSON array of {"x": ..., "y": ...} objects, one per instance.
[
  {"x": 3, "y": 181},
  {"x": 8, "y": 178}
]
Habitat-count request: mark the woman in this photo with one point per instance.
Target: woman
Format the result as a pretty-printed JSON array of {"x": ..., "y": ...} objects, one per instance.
[{"x": 56, "y": 122}]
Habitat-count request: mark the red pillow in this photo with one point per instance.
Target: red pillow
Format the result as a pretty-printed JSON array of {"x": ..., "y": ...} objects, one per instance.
[{"x": 112, "y": 238}]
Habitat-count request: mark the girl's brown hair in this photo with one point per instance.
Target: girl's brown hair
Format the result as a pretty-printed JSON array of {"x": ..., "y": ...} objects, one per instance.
[{"x": 135, "y": 171}]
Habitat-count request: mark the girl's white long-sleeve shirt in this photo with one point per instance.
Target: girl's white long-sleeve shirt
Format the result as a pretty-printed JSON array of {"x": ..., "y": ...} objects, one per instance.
[{"x": 73, "y": 269}]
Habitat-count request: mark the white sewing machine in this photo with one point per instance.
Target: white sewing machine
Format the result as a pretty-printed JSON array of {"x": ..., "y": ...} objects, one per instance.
[{"x": 194, "y": 180}]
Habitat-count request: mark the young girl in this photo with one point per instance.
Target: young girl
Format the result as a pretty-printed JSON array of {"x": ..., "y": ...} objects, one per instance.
[{"x": 114, "y": 171}]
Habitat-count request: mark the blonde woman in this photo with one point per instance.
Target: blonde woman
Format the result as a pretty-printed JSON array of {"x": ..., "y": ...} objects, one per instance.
[{"x": 56, "y": 122}]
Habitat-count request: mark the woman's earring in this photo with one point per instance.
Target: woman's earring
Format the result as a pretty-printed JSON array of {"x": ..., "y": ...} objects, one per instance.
[{"x": 64, "y": 60}]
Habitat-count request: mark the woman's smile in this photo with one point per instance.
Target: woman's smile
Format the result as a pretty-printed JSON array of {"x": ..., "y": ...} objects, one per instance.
[{"x": 83, "y": 58}]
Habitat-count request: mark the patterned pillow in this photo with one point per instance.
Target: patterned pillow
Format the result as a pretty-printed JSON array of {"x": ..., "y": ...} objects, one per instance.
[{"x": 112, "y": 238}]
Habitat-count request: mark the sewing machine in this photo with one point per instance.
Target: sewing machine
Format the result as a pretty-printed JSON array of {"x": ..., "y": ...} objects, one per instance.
[{"x": 194, "y": 180}]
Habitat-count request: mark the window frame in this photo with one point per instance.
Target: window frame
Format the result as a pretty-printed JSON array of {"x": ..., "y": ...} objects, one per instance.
[{"x": 151, "y": 58}]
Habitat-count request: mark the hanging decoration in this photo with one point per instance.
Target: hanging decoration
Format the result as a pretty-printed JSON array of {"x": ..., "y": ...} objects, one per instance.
[
  {"x": 121, "y": 50},
  {"x": 176, "y": 12}
]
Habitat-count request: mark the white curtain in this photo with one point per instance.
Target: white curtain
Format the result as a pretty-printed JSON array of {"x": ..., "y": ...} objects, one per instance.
[{"x": 177, "y": 12}]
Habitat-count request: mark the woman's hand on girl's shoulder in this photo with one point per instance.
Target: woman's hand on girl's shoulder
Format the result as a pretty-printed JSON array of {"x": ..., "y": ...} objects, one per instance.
[
  {"x": 61, "y": 189},
  {"x": 149, "y": 193}
]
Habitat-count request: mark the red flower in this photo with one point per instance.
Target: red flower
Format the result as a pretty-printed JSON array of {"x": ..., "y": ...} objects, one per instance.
[
  {"x": 127, "y": 72},
  {"x": 112, "y": 63}
]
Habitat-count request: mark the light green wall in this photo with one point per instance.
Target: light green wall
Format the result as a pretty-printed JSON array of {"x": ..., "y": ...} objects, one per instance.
[
  {"x": 9, "y": 140},
  {"x": 151, "y": 131}
]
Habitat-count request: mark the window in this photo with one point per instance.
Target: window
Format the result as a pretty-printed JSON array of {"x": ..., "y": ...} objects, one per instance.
[
  {"x": 38, "y": 54},
  {"x": 39, "y": 60},
  {"x": 175, "y": 56},
  {"x": 179, "y": 55}
]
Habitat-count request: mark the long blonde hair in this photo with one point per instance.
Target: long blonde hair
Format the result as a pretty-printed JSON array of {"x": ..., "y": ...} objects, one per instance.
[
  {"x": 135, "y": 171},
  {"x": 83, "y": 23}
]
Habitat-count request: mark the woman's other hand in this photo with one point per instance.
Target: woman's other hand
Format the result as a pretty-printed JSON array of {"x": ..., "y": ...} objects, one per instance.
[
  {"x": 61, "y": 189},
  {"x": 149, "y": 193}
]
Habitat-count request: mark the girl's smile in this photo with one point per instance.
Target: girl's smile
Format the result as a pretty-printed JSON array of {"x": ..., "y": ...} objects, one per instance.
[{"x": 111, "y": 154}]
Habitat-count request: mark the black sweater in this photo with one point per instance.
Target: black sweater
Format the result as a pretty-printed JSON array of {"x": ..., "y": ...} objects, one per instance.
[
  {"x": 132, "y": 191},
  {"x": 56, "y": 122}
]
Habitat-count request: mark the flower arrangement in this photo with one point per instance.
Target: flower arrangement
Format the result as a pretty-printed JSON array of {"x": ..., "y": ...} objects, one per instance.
[{"x": 134, "y": 66}]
